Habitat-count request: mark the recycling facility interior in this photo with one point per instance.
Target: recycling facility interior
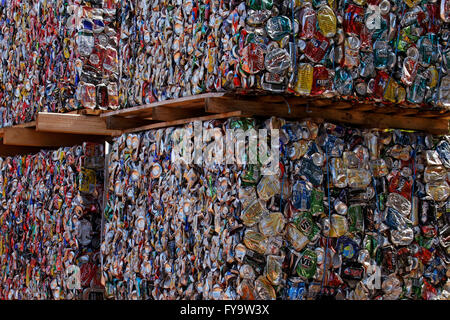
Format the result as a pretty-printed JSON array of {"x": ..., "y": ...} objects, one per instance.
[{"x": 96, "y": 96}]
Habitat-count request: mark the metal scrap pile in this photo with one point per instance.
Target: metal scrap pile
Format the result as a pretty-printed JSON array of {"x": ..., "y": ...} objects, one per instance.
[
  {"x": 56, "y": 56},
  {"x": 352, "y": 214},
  {"x": 50, "y": 224},
  {"x": 59, "y": 56},
  {"x": 377, "y": 50}
]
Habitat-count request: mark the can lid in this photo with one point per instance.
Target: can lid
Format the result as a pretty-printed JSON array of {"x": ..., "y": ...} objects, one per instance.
[
  {"x": 413, "y": 52},
  {"x": 385, "y": 7}
]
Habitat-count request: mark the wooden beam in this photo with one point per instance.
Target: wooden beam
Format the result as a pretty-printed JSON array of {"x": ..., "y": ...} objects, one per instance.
[
  {"x": 406, "y": 112},
  {"x": 275, "y": 99},
  {"x": 445, "y": 116},
  {"x": 321, "y": 102},
  {"x": 430, "y": 114},
  {"x": 30, "y": 124},
  {"x": 170, "y": 114},
  {"x": 363, "y": 107},
  {"x": 73, "y": 124},
  {"x": 29, "y": 137},
  {"x": 121, "y": 123},
  {"x": 9, "y": 151},
  {"x": 222, "y": 105},
  {"x": 184, "y": 121},
  {"x": 147, "y": 109},
  {"x": 341, "y": 105},
  {"x": 91, "y": 112},
  {"x": 364, "y": 119}
]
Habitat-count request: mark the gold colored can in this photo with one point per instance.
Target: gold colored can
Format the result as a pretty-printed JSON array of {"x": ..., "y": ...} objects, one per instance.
[
  {"x": 390, "y": 92},
  {"x": 296, "y": 237},
  {"x": 253, "y": 213},
  {"x": 438, "y": 190},
  {"x": 304, "y": 79},
  {"x": 434, "y": 76},
  {"x": 272, "y": 224},
  {"x": 338, "y": 226},
  {"x": 412, "y": 3},
  {"x": 327, "y": 21},
  {"x": 268, "y": 187},
  {"x": 255, "y": 241},
  {"x": 87, "y": 180}
]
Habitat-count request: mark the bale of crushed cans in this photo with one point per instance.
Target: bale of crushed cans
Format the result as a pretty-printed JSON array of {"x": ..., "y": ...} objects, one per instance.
[
  {"x": 351, "y": 214},
  {"x": 389, "y": 51},
  {"x": 56, "y": 56},
  {"x": 50, "y": 224},
  {"x": 59, "y": 56}
]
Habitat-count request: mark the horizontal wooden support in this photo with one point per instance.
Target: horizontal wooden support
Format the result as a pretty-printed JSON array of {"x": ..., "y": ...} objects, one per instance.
[
  {"x": 430, "y": 114},
  {"x": 170, "y": 114},
  {"x": 184, "y": 121},
  {"x": 32, "y": 138},
  {"x": 30, "y": 124},
  {"x": 147, "y": 109},
  {"x": 9, "y": 151},
  {"x": 321, "y": 102},
  {"x": 363, "y": 119},
  {"x": 399, "y": 111},
  {"x": 341, "y": 105},
  {"x": 363, "y": 107},
  {"x": 73, "y": 124},
  {"x": 90, "y": 112},
  {"x": 121, "y": 123}
]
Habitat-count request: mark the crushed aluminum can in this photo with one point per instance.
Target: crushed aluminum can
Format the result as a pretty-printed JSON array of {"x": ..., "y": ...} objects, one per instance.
[
  {"x": 301, "y": 193},
  {"x": 402, "y": 237},
  {"x": 253, "y": 213},
  {"x": 400, "y": 203},
  {"x": 307, "y": 264},
  {"x": 297, "y": 239},
  {"x": 268, "y": 187}
]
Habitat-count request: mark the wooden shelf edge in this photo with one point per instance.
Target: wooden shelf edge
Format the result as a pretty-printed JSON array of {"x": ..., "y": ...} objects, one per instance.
[
  {"x": 29, "y": 137},
  {"x": 174, "y": 103},
  {"x": 74, "y": 124},
  {"x": 185, "y": 121}
]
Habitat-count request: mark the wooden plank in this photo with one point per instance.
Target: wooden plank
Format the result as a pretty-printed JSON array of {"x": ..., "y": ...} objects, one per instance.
[
  {"x": 275, "y": 99},
  {"x": 365, "y": 119},
  {"x": 170, "y": 114},
  {"x": 184, "y": 121},
  {"x": 363, "y": 107},
  {"x": 73, "y": 124},
  {"x": 31, "y": 138},
  {"x": 91, "y": 112},
  {"x": 321, "y": 102},
  {"x": 404, "y": 111},
  {"x": 121, "y": 123},
  {"x": 341, "y": 105},
  {"x": 445, "y": 116},
  {"x": 189, "y": 101},
  {"x": 23, "y": 125},
  {"x": 430, "y": 114},
  {"x": 214, "y": 105},
  {"x": 9, "y": 151},
  {"x": 268, "y": 98},
  {"x": 26, "y": 125}
]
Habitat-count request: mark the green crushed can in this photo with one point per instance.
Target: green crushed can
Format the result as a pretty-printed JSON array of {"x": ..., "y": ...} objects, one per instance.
[
  {"x": 305, "y": 223},
  {"x": 307, "y": 265},
  {"x": 355, "y": 218}
]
